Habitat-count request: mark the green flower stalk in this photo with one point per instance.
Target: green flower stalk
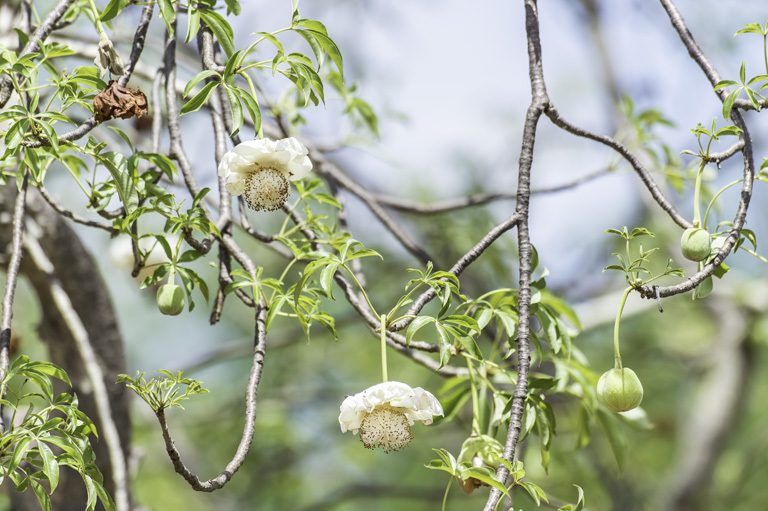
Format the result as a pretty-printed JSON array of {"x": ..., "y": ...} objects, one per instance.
[{"x": 619, "y": 389}]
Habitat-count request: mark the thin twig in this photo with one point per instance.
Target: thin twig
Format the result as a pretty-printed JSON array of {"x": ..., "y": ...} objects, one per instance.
[
  {"x": 74, "y": 216},
  {"x": 326, "y": 168},
  {"x": 408, "y": 206},
  {"x": 720, "y": 157},
  {"x": 12, "y": 276},
  {"x": 260, "y": 343},
  {"x": 91, "y": 365},
  {"x": 633, "y": 160},
  {"x": 462, "y": 264}
]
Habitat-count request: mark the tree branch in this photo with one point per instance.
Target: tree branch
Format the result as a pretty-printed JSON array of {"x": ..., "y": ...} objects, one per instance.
[
  {"x": 92, "y": 367},
  {"x": 260, "y": 343},
  {"x": 10, "y": 283},
  {"x": 539, "y": 103},
  {"x": 620, "y": 148},
  {"x": 459, "y": 267}
]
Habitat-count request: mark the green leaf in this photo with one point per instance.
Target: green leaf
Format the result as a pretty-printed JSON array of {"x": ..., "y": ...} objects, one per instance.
[
  {"x": 50, "y": 466},
  {"x": 251, "y": 105},
  {"x": 611, "y": 428},
  {"x": 193, "y": 23},
  {"x": 41, "y": 494},
  {"x": 445, "y": 344},
  {"x": 536, "y": 493},
  {"x": 221, "y": 29},
  {"x": 236, "y": 108},
  {"x": 233, "y": 7},
  {"x": 194, "y": 104},
  {"x": 202, "y": 75},
  {"x": 415, "y": 326},
  {"x": 728, "y": 103},
  {"x": 113, "y": 8},
  {"x": 115, "y": 163},
  {"x": 166, "y": 11},
  {"x": 326, "y": 279},
  {"x": 579, "y": 503}
]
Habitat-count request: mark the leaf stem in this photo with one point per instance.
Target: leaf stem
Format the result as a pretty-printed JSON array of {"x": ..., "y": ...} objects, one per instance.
[
  {"x": 697, "y": 195},
  {"x": 447, "y": 489},
  {"x": 616, "y": 352},
  {"x": 712, "y": 202},
  {"x": 384, "y": 348}
]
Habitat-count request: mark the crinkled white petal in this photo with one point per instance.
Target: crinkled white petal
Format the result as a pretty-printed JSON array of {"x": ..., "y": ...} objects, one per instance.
[
  {"x": 415, "y": 403},
  {"x": 287, "y": 155}
]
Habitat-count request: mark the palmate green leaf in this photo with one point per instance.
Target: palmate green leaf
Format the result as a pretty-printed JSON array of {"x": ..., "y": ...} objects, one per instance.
[
  {"x": 236, "y": 108},
  {"x": 445, "y": 344},
  {"x": 41, "y": 494},
  {"x": 754, "y": 28},
  {"x": 194, "y": 104},
  {"x": 579, "y": 503},
  {"x": 50, "y": 466},
  {"x": 251, "y": 105},
  {"x": 166, "y": 11},
  {"x": 113, "y": 8},
  {"x": 415, "y": 326},
  {"x": 728, "y": 103},
  {"x": 220, "y": 28},
  {"x": 199, "y": 77},
  {"x": 233, "y": 7},
  {"x": 611, "y": 428},
  {"x": 193, "y": 23},
  {"x": 536, "y": 493},
  {"x": 116, "y": 164}
]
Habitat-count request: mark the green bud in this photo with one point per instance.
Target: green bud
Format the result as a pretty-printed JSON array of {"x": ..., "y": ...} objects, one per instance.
[
  {"x": 619, "y": 390},
  {"x": 170, "y": 299},
  {"x": 695, "y": 244}
]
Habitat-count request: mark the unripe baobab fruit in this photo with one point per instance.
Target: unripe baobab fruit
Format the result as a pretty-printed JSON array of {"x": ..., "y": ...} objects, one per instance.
[
  {"x": 170, "y": 299},
  {"x": 619, "y": 389},
  {"x": 695, "y": 244}
]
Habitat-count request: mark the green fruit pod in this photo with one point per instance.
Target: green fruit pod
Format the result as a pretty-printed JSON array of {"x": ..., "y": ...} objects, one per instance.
[
  {"x": 170, "y": 299},
  {"x": 619, "y": 390},
  {"x": 695, "y": 244}
]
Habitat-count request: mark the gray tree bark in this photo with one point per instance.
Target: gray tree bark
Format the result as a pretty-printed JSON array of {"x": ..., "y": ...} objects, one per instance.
[{"x": 78, "y": 274}]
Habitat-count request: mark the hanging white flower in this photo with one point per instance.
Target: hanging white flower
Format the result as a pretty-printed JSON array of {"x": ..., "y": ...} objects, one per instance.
[
  {"x": 386, "y": 412},
  {"x": 261, "y": 169}
]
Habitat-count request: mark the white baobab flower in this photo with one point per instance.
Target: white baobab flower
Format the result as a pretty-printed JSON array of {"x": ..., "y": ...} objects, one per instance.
[
  {"x": 261, "y": 169},
  {"x": 385, "y": 413}
]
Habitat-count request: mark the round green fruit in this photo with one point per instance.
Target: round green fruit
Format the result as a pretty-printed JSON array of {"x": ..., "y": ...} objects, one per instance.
[
  {"x": 695, "y": 244},
  {"x": 619, "y": 390},
  {"x": 170, "y": 299}
]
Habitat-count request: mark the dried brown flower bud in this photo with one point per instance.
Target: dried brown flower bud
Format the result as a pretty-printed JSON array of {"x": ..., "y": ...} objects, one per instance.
[{"x": 117, "y": 101}]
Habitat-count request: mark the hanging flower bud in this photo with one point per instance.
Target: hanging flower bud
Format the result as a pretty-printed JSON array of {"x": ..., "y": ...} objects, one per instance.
[
  {"x": 107, "y": 59},
  {"x": 695, "y": 244},
  {"x": 619, "y": 390},
  {"x": 170, "y": 299}
]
